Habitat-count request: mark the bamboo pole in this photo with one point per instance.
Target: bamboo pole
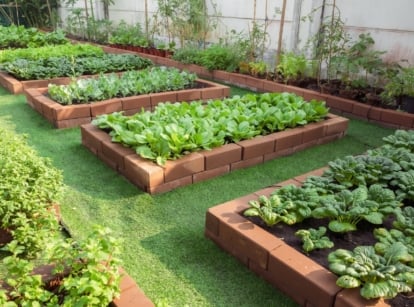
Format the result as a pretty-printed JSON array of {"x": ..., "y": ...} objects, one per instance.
[{"x": 279, "y": 43}]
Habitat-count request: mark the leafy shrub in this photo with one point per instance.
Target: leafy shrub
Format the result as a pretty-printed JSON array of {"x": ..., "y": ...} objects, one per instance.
[
  {"x": 188, "y": 55},
  {"x": 29, "y": 185},
  {"x": 220, "y": 57}
]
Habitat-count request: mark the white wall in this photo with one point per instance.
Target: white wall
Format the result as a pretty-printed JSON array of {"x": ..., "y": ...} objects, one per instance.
[{"x": 390, "y": 22}]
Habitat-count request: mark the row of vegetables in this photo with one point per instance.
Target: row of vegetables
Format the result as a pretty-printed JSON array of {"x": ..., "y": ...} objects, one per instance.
[{"x": 371, "y": 188}]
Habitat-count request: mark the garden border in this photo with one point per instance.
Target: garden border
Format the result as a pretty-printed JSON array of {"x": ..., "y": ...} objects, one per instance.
[
  {"x": 203, "y": 165},
  {"x": 338, "y": 105},
  {"x": 66, "y": 116},
  {"x": 295, "y": 274}
]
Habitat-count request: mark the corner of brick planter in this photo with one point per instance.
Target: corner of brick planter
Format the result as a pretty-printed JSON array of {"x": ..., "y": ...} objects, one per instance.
[{"x": 269, "y": 257}]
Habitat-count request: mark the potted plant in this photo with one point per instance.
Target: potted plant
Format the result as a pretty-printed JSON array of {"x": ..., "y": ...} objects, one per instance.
[{"x": 400, "y": 88}]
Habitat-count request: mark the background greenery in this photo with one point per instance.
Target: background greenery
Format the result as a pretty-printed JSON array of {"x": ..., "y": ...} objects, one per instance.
[{"x": 164, "y": 248}]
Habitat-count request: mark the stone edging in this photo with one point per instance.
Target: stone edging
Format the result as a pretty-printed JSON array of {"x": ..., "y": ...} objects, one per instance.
[
  {"x": 299, "y": 277},
  {"x": 75, "y": 115},
  {"x": 202, "y": 165}
]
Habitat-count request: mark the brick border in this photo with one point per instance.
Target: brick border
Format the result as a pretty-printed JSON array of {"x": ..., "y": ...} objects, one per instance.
[
  {"x": 202, "y": 165},
  {"x": 340, "y": 106},
  {"x": 75, "y": 115},
  {"x": 299, "y": 277}
]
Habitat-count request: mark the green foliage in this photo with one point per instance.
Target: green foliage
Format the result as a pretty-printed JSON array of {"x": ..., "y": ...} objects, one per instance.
[
  {"x": 127, "y": 34},
  {"x": 130, "y": 83},
  {"x": 220, "y": 57},
  {"x": 353, "y": 171},
  {"x": 387, "y": 237},
  {"x": 292, "y": 66},
  {"x": 401, "y": 139},
  {"x": 29, "y": 185},
  {"x": 20, "y": 37},
  {"x": 75, "y": 50},
  {"x": 314, "y": 239},
  {"x": 65, "y": 66},
  {"x": 401, "y": 84},
  {"x": 404, "y": 220},
  {"x": 379, "y": 276},
  {"x": 289, "y": 204},
  {"x": 173, "y": 130},
  {"x": 188, "y": 55},
  {"x": 347, "y": 208},
  {"x": 87, "y": 269}
]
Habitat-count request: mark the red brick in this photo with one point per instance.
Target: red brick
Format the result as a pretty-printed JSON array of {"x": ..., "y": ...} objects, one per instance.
[
  {"x": 136, "y": 102},
  {"x": 223, "y": 155},
  {"x": 72, "y": 111},
  {"x": 211, "y": 93},
  {"x": 92, "y": 137},
  {"x": 343, "y": 104},
  {"x": 336, "y": 125},
  {"x": 293, "y": 89},
  {"x": 352, "y": 298},
  {"x": 279, "y": 153},
  {"x": 375, "y": 113},
  {"x": 288, "y": 139},
  {"x": 142, "y": 172},
  {"x": 246, "y": 163},
  {"x": 313, "y": 132},
  {"x": 301, "y": 278},
  {"x": 157, "y": 98},
  {"x": 397, "y": 118},
  {"x": 361, "y": 110},
  {"x": 187, "y": 165},
  {"x": 257, "y": 146},
  {"x": 254, "y": 83},
  {"x": 188, "y": 95},
  {"x": 106, "y": 106},
  {"x": 11, "y": 84},
  {"x": 212, "y": 173},
  {"x": 271, "y": 86},
  {"x": 116, "y": 152},
  {"x": 69, "y": 123},
  {"x": 171, "y": 185},
  {"x": 34, "y": 84},
  {"x": 221, "y": 75}
]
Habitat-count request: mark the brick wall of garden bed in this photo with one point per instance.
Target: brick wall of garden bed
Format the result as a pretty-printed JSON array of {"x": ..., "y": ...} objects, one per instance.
[
  {"x": 66, "y": 116},
  {"x": 202, "y": 165},
  {"x": 302, "y": 279},
  {"x": 338, "y": 105}
]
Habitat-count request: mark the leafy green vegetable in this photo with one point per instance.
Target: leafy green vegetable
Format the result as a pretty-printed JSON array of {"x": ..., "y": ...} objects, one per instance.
[
  {"x": 174, "y": 129},
  {"x": 388, "y": 237},
  {"x": 401, "y": 138},
  {"x": 404, "y": 220},
  {"x": 288, "y": 204},
  {"x": 347, "y": 208},
  {"x": 379, "y": 276},
  {"x": 314, "y": 239}
]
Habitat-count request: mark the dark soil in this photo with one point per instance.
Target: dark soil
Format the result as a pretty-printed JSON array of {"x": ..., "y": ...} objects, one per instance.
[{"x": 363, "y": 236}]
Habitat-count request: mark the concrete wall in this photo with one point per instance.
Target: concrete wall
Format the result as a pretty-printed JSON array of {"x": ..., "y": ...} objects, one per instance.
[{"x": 390, "y": 23}]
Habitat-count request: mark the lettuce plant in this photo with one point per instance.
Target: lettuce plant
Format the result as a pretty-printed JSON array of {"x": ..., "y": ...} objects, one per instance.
[
  {"x": 387, "y": 237},
  {"x": 378, "y": 276}
]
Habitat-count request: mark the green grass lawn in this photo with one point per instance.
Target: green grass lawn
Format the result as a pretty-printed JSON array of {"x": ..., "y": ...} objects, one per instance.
[{"x": 164, "y": 248}]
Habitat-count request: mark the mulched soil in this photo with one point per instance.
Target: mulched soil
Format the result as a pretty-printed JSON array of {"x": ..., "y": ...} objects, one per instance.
[{"x": 363, "y": 236}]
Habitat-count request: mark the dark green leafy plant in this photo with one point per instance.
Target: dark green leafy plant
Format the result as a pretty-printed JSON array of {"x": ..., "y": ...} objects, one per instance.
[
  {"x": 387, "y": 237},
  {"x": 314, "y": 239},
  {"x": 220, "y": 57},
  {"x": 404, "y": 184},
  {"x": 404, "y": 220},
  {"x": 378, "y": 276},
  {"x": 289, "y": 204},
  {"x": 347, "y": 208},
  {"x": 401, "y": 138},
  {"x": 353, "y": 171},
  {"x": 291, "y": 66},
  {"x": 65, "y": 66}
]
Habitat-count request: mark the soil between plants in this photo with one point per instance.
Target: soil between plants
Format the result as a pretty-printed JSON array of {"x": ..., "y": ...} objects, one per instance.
[{"x": 362, "y": 236}]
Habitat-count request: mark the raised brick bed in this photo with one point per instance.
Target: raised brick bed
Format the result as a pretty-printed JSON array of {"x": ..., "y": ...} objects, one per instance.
[
  {"x": 203, "y": 165},
  {"x": 75, "y": 115},
  {"x": 290, "y": 271}
]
